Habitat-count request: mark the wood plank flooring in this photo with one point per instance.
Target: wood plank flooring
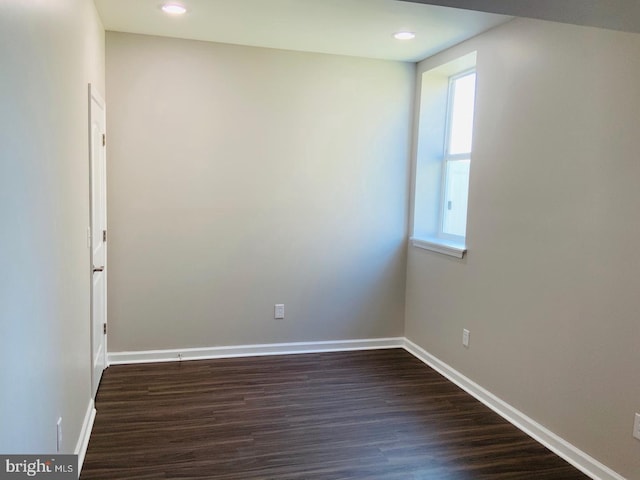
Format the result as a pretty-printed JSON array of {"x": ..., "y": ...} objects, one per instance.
[{"x": 364, "y": 415}]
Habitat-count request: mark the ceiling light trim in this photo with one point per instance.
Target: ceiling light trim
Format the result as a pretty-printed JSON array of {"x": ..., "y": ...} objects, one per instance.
[
  {"x": 404, "y": 35},
  {"x": 174, "y": 8}
]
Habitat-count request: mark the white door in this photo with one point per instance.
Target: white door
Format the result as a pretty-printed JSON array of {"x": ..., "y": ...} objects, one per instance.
[{"x": 98, "y": 238}]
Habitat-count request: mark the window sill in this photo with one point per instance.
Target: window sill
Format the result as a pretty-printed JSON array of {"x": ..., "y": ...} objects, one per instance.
[{"x": 440, "y": 246}]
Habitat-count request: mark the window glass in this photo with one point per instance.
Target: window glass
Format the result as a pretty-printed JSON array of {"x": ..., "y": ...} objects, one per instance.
[
  {"x": 454, "y": 218},
  {"x": 463, "y": 101}
]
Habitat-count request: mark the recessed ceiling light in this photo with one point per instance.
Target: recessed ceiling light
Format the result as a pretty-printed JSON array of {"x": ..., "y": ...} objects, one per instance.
[
  {"x": 173, "y": 8},
  {"x": 404, "y": 35}
]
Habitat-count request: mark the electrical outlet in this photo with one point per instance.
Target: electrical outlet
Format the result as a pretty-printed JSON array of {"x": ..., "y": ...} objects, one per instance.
[
  {"x": 465, "y": 337},
  {"x": 279, "y": 310},
  {"x": 59, "y": 434},
  {"x": 636, "y": 426}
]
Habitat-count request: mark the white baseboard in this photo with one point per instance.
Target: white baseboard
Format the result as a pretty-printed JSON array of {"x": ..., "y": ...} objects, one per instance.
[
  {"x": 576, "y": 457},
  {"x": 85, "y": 434},
  {"x": 174, "y": 355}
]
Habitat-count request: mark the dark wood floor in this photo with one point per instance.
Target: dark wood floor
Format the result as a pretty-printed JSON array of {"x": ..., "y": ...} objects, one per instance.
[{"x": 379, "y": 414}]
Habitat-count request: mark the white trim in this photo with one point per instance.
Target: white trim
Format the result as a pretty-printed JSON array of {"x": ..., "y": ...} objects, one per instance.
[
  {"x": 576, "y": 457},
  {"x": 439, "y": 246},
  {"x": 174, "y": 355},
  {"x": 85, "y": 434},
  {"x": 94, "y": 94}
]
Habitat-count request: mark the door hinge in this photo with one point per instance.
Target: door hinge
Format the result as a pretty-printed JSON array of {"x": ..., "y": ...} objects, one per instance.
[
  {"x": 104, "y": 139},
  {"x": 104, "y": 328},
  {"x": 104, "y": 235}
]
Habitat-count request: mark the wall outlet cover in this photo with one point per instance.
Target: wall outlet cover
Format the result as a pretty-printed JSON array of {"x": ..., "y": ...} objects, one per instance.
[
  {"x": 636, "y": 426},
  {"x": 279, "y": 310},
  {"x": 465, "y": 337}
]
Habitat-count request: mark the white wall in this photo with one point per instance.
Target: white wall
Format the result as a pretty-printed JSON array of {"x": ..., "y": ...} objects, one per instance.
[
  {"x": 49, "y": 52},
  {"x": 549, "y": 289},
  {"x": 241, "y": 177}
]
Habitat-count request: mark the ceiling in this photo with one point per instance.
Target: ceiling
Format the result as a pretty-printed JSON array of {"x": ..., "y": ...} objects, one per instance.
[
  {"x": 362, "y": 28},
  {"x": 621, "y": 15}
]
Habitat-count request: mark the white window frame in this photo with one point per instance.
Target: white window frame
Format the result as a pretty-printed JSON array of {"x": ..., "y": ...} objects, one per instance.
[
  {"x": 449, "y": 157},
  {"x": 432, "y": 132}
]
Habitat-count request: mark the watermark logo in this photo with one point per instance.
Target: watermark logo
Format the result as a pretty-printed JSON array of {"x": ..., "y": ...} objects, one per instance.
[{"x": 50, "y": 467}]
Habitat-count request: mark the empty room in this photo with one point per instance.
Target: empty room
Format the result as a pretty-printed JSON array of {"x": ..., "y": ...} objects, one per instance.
[{"x": 320, "y": 239}]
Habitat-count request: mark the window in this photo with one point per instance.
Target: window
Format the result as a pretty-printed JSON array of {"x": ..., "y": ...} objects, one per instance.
[
  {"x": 457, "y": 156},
  {"x": 444, "y": 144}
]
